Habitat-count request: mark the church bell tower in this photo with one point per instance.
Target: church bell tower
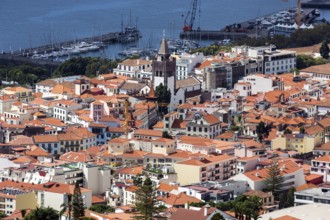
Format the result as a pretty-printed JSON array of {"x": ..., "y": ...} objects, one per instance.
[{"x": 163, "y": 68}]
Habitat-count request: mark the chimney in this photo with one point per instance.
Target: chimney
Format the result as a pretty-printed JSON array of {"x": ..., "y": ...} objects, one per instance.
[{"x": 206, "y": 207}]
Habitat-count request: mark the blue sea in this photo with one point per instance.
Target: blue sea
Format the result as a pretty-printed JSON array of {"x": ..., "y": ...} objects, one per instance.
[{"x": 29, "y": 23}]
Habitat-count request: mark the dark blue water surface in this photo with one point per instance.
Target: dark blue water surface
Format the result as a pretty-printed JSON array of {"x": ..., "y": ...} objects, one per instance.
[{"x": 25, "y": 23}]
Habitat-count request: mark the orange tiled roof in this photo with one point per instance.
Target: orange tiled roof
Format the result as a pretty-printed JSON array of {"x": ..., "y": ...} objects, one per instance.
[
  {"x": 180, "y": 199},
  {"x": 260, "y": 175}
]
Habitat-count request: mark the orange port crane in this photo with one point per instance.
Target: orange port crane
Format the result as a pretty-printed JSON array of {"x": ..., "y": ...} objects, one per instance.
[
  {"x": 298, "y": 18},
  {"x": 190, "y": 17},
  {"x": 298, "y": 13}
]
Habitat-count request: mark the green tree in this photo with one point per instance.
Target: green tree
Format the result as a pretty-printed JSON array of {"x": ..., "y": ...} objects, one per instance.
[
  {"x": 324, "y": 49},
  {"x": 146, "y": 203},
  {"x": 78, "y": 203},
  {"x": 302, "y": 130},
  {"x": 253, "y": 206},
  {"x": 274, "y": 180},
  {"x": 67, "y": 206},
  {"x": 287, "y": 131},
  {"x": 166, "y": 135},
  {"x": 217, "y": 216},
  {"x": 3, "y": 215},
  {"x": 290, "y": 200},
  {"x": 137, "y": 180},
  {"x": 101, "y": 208},
  {"x": 163, "y": 98},
  {"x": 263, "y": 130},
  {"x": 42, "y": 214}
]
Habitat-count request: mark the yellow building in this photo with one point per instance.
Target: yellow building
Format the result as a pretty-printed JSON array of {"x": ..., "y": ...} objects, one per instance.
[
  {"x": 23, "y": 94},
  {"x": 119, "y": 146},
  {"x": 206, "y": 168},
  {"x": 303, "y": 143},
  {"x": 12, "y": 199},
  {"x": 163, "y": 146}
]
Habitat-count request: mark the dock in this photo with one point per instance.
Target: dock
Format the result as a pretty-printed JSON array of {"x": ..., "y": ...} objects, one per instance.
[
  {"x": 320, "y": 4},
  {"x": 128, "y": 35},
  {"x": 211, "y": 35},
  {"x": 259, "y": 27}
]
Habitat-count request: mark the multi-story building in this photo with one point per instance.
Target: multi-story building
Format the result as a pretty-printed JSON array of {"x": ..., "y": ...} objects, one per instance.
[
  {"x": 49, "y": 194},
  {"x": 245, "y": 164},
  {"x": 274, "y": 61},
  {"x": 21, "y": 93},
  {"x": 134, "y": 68},
  {"x": 313, "y": 195},
  {"x": 12, "y": 198},
  {"x": 321, "y": 166},
  {"x": 206, "y": 168},
  {"x": 45, "y": 86},
  {"x": 303, "y": 143},
  {"x": 6, "y": 102},
  {"x": 292, "y": 173},
  {"x": 204, "y": 125},
  {"x": 63, "y": 108},
  {"x": 185, "y": 64},
  {"x": 217, "y": 191},
  {"x": 261, "y": 83},
  {"x": 217, "y": 76},
  {"x": 244, "y": 88}
]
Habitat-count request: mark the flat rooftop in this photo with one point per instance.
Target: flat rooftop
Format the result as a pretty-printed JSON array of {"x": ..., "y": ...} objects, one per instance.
[{"x": 315, "y": 211}]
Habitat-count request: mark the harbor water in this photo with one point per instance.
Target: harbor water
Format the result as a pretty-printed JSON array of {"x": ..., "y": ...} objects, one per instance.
[{"x": 32, "y": 23}]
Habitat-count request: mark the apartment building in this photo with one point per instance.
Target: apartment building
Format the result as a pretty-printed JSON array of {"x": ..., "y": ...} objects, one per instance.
[
  {"x": 63, "y": 107},
  {"x": 292, "y": 173},
  {"x": 21, "y": 93},
  {"x": 303, "y": 143},
  {"x": 274, "y": 61},
  {"x": 321, "y": 166},
  {"x": 260, "y": 83},
  {"x": 75, "y": 139},
  {"x": 134, "y": 68},
  {"x": 49, "y": 194},
  {"x": 6, "y": 102},
  {"x": 12, "y": 198},
  {"x": 203, "y": 125},
  {"x": 45, "y": 86},
  {"x": 185, "y": 63},
  {"x": 314, "y": 195},
  {"x": 207, "y": 168}
]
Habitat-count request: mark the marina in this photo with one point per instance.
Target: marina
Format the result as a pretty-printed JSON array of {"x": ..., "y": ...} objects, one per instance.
[
  {"x": 282, "y": 22},
  {"x": 77, "y": 47}
]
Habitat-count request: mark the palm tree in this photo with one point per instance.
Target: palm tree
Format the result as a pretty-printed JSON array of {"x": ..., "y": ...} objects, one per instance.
[
  {"x": 67, "y": 206},
  {"x": 42, "y": 214}
]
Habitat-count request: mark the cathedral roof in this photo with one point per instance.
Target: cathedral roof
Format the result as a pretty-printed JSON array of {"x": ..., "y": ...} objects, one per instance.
[{"x": 163, "y": 49}]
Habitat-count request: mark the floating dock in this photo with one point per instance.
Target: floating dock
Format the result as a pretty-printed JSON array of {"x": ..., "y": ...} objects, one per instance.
[{"x": 128, "y": 35}]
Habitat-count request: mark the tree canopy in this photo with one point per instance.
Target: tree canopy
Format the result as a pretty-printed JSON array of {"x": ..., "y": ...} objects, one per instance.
[
  {"x": 146, "y": 204},
  {"x": 263, "y": 130},
  {"x": 249, "y": 207},
  {"x": 304, "y": 61},
  {"x": 324, "y": 49},
  {"x": 42, "y": 214},
  {"x": 78, "y": 203},
  {"x": 163, "y": 98},
  {"x": 89, "y": 66},
  {"x": 274, "y": 180},
  {"x": 101, "y": 208},
  {"x": 22, "y": 74}
]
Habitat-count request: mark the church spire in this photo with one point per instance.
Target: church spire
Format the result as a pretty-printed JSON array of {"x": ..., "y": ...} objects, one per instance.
[{"x": 163, "y": 49}]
